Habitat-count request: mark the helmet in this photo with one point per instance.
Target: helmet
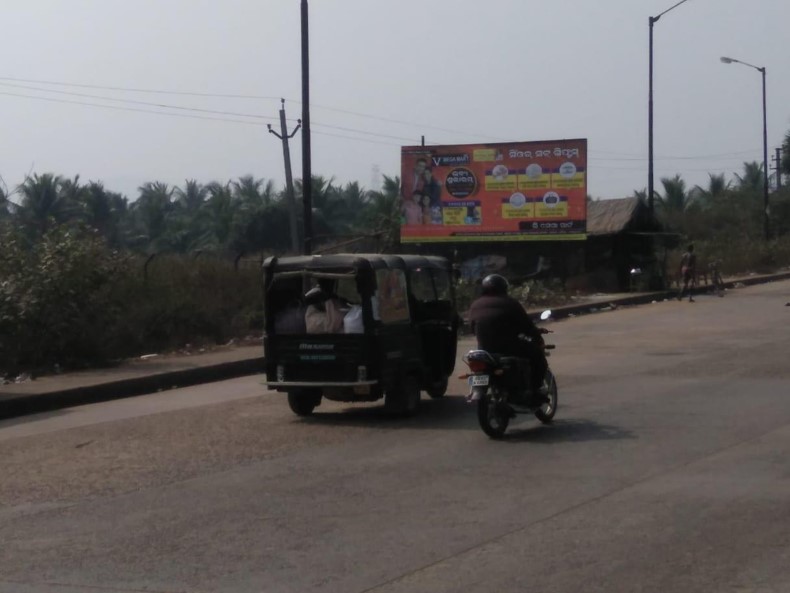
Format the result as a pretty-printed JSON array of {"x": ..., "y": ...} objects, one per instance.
[{"x": 495, "y": 285}]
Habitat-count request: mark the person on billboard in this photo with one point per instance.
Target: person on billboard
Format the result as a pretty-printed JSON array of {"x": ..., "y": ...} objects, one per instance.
[
  {"x": 425, "y": 202},
  {"x": 412, "y": 208},
  {"x": 418, "y": 180},
  {"x": 431, "y": 187}
]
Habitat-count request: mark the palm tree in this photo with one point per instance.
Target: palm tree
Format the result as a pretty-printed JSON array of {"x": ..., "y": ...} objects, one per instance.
[
  {"x": 6, "y": 206},
  {"x": 190, "y": 199},
  {"x": 382, "y": 214},
  {"x": 718, "y": 187},
  {"x": 328, "y": 215},
  {"x": 354, "y": 199},
  {"x": 72, "y": 191},
  {"x": 104, "y": 211},
  {"x": 752, "y": 179},
  {"x": 222, "y": 209},
  {"x": 254, "y": 193},
  {"x": 152, "y": 212},
  {"x": 675, "y": 199},
  {"x": 43, "y": 204}
]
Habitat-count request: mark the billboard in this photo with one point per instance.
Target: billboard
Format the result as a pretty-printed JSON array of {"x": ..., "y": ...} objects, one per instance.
[{"x": 514, "y": 191}]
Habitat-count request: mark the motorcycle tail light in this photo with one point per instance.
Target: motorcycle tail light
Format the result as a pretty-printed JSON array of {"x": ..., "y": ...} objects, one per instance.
[{"x": 477, "y": 366}]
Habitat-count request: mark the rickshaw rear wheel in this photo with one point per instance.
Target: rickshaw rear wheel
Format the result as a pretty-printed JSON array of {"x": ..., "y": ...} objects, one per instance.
[
  {"x": 404, "y": 398},
  {"x": 438, "y": 388},
  {"x": 303, "y": 401}
]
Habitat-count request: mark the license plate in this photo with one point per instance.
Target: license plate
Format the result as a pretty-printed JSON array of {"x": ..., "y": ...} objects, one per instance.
[{"x": 478, "y": 380}]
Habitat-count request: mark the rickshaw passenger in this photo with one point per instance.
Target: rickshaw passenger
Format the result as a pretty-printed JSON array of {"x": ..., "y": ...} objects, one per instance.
[
  {"x": 325, "y": 310},
  {"x": 291, "y": 320}
]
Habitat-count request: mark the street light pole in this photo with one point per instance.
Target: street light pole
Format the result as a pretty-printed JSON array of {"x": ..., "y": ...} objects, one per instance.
[
  {"x": 762, "y": 71},
  {"x": 766, "y": 219},
  {"x": 307, "y": 174},
  {"x": 650, "y": 180},
  {"x": 650, "y": 186}
]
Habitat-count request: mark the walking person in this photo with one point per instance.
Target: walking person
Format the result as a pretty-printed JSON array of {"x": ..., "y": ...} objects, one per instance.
[{"x": 688, "y": 273}]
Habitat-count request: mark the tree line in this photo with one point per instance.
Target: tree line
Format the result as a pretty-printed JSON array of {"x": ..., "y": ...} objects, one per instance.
[
  {"x": 723, "y": 208},
  {"x": 245, "y": 215}
]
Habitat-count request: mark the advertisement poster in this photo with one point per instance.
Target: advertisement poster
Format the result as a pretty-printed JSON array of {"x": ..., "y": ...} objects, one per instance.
[{"x": 514, "y": 191}]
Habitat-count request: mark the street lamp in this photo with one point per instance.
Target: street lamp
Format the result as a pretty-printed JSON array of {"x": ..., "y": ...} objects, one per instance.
[
  {"x": 761, "y": 70},
  {"x": 650, "y": 186},
  {"x": 307, "y": 173}
]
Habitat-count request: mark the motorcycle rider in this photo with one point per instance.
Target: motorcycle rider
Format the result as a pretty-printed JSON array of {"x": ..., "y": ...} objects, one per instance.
[{"x": 499, "y": 322}]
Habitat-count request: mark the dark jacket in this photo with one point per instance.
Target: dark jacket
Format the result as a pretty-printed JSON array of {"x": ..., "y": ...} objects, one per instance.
[{"x": 497, "y": 322}]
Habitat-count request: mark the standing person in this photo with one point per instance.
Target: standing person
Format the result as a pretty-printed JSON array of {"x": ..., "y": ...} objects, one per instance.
[
  {"x": 432, "y": 188},
  {"x": 688, "y": 272},
  {"x": 426, "y": 209},
  {"x": 412, "y": 209},
  {"x": 498, "y": 321},
  {"x": 418, "y": 180}
]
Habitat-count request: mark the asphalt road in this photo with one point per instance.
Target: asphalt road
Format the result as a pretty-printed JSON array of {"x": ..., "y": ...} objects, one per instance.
[{"x": 667, "y": 470}]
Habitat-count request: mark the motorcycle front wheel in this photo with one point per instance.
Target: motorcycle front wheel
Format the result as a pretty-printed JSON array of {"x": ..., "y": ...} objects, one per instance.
[
  {"x": 546, "y": 412},
  {"x": 493, "y": 420}
]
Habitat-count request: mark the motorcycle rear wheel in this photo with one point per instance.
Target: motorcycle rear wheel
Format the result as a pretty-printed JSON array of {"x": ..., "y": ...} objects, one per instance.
[{"x": 492, "y": 421}]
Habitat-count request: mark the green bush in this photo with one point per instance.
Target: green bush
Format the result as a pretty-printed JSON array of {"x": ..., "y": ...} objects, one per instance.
[
  {"x": 57, "y": 298},
  {"x": 186, "y": 300},
  {"x": 70, "y": 300}
]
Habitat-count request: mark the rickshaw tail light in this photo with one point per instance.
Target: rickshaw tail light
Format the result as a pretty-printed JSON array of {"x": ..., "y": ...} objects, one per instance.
[
  {"x": 477, "y": 366},
  {"x": 362, "y": 373},
  {"x": 280, "y": 373}
]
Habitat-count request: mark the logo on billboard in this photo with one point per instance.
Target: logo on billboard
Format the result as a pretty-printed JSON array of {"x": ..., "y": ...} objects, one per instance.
[
  {"x": 568, "y": 170},
  {"x": 450, "y": 160},
  {"x": 461, "y": 182}
]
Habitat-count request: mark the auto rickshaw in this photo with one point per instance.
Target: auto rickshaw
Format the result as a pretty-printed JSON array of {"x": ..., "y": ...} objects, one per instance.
[{"x": 356, "y": 328}]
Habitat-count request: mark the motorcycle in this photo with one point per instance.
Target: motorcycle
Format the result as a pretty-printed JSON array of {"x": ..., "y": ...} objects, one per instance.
[{"x": 499, "y": 388}]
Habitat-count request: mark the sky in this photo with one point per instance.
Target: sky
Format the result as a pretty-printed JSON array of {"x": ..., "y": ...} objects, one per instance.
[{"x": 383, "y": 73}]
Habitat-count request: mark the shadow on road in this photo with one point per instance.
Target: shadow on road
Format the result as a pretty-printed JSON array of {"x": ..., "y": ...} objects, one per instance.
[
  {"x": 567, "y": 431},
  {"x": 448, "y": 412}
]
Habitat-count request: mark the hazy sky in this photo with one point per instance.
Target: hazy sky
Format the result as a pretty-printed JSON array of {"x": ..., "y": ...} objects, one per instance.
[{"x": 480, "y": 71}]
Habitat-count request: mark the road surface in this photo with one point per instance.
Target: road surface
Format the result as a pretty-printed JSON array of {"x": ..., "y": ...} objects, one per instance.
[{"x": 667, "y": 470}]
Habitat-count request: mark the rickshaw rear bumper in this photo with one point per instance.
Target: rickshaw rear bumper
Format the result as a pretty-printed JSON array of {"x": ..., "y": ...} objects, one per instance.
[
  {"x": 342, "y": 391},
  {"x": 318, "y": 384}
]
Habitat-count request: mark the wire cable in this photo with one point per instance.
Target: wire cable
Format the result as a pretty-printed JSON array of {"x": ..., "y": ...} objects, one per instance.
[{"x": 245, "y": 96}]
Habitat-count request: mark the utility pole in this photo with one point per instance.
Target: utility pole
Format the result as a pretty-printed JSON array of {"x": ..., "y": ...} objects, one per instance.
[
  {"x": 307, "y": 172},
  {"x": 650, "y": 183},
  {"x": 289, "y": 181},
  {"x": 778, "y": 168}
]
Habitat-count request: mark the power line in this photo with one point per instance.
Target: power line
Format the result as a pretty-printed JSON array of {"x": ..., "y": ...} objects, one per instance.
[
  {"x": 198, "y": 110},
  {"x": 354, "y": 138},
  {"x": 245, "y": 96},
  {"x": 136, "y": 90},
  {"x": 628, "y": 157},
  {"x": 146, "y": 103},
  {"x": 119, "y": 108},
  {"x": 182, "y": 115}
]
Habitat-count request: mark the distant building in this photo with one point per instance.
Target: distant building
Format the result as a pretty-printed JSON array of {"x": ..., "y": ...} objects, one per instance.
[{"x": 624, "y": 237}]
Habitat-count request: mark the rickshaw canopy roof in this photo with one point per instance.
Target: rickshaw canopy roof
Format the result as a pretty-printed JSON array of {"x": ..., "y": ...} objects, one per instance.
[{"x": 354, "y": 261}]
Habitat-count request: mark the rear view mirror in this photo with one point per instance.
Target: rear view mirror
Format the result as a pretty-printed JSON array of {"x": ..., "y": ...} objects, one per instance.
[{"x": 545, "y": 315}]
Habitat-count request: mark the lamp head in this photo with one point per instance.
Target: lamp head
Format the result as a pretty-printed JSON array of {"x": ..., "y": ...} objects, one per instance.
[{"x": 726, "y": 60}]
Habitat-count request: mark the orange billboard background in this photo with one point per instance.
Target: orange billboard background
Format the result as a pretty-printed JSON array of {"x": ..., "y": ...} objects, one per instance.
[{"x": 514, "y": 191}]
